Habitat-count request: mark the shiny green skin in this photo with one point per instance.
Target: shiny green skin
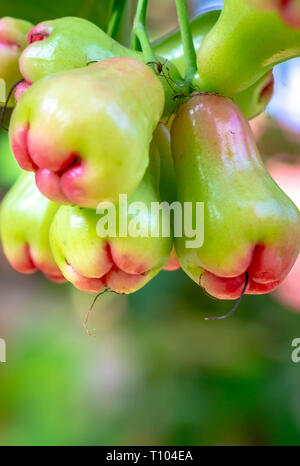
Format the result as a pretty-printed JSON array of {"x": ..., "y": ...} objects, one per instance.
[
  {"x": 91, "y": 262},
  {"x": 75, "y": 42},
  {"x": 109, "y": 126},
  {"x": 12, "y": 41},
  {"x": 217, "y": 162},
  {"x": 243, "y": 45},
  {"x": 89, "y": 43},
  {"x": 26, "y": 217},
  {"x": 167, "y": 179}
]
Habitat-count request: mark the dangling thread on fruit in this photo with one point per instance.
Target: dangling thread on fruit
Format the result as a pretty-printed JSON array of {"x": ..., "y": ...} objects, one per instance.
[
  {"x": 85, "y": 322},
  {"x": 238, "y": 302},
  {"x": 6, "y": 104}
]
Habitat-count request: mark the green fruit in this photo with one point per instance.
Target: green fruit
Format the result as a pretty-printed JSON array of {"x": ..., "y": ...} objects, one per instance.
[
  {"x": 289, "y": 10},
  {"x": 171, "y": 46},
  {"x": 51, "y": 43},
  {"x": 244, "y": 44},
  {"x": 250, "y": 225},
  {"x": 65, "y": 44},
  {"x": 26, "y": 217},
  {"x": 86, "y": 132},
  {"x": 253, "y": 100},
  {"x": 91, "y": 257},
  {"x": 12, "y": 41}
]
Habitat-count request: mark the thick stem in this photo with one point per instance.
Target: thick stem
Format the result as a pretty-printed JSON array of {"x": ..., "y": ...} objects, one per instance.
[
  {"x": 190, "y": 59},
  {"x": 140, "y": 32},
  {"x": 116, "y": 13}
]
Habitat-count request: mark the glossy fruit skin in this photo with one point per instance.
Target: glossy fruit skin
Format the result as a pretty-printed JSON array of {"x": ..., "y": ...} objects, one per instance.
[
  {"x": 171, "y": 46},
  {"x": 253, "y": 100},
  {"x": 244, "y": 44},
  {"x": 91, "y": 148},
  {"x": 124, "y": 264},
  {"x": 250, "y": 225},
  {"x": 26, "y": 217},
  {"x": 49, "y": 44},
  {"x": 65, "y": 44},
  {"x": 68, "y": 43},
  {"x": 12, "y": 42},
  {"x": 167, "y": 181}
]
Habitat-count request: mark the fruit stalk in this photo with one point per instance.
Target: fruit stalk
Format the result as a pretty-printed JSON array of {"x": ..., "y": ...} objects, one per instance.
[{"x": 187, "y": 40}]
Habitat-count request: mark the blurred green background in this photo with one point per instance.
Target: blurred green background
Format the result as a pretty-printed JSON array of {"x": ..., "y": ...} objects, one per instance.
[{"x": 156, "y": 373}]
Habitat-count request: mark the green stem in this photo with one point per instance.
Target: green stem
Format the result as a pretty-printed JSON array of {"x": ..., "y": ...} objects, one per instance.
[
  {"x": 116, "y": 13},
  {"x": 140, "y": 32},
  {"x": 190, "y": 58}
]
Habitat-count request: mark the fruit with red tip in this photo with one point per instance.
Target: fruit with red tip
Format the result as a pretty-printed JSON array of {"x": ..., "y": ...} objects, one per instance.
[
  {"x": 65, "y": 44},
  {"x": 250, "y": 225},
  {"x": 86, "y": 132},
  {"x": 26, "y": 216},
  {"x": 114, "y": 248}
]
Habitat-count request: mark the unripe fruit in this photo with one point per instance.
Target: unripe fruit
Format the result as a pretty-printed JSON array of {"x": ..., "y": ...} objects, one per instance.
[
  {"x": 253, "y": 100},
  {"x": 50, "y": 43},
  {"x": 12, "y": 42},
  {"x": 124, "y": 264},
  {"x": 26, "y": 217},
  {"x": 244, "y": 45},
  {"x": 65, "y": 44},
  {"x": 86, "y": 132},
  {"x": 250, "y": 225}
]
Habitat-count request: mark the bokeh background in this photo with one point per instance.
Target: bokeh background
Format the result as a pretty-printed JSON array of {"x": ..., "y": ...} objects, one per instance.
[{"x": 156, "y": 373}]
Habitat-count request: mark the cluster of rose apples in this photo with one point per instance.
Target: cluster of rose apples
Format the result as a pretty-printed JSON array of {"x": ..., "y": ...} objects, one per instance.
[{"x": 94, "y": 119}]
